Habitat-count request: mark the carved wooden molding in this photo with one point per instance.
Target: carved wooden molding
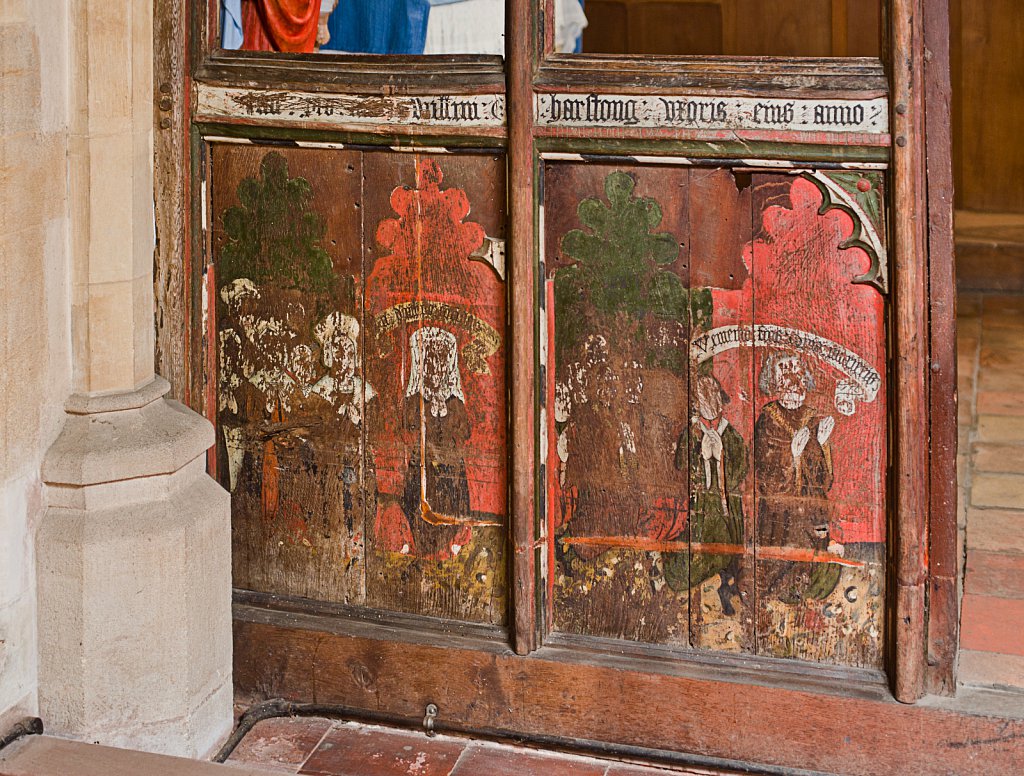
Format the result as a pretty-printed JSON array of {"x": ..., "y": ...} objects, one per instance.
[{"x": 863, "y": 203}]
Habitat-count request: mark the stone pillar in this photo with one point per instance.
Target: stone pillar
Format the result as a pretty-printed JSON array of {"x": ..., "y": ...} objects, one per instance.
[{"x": 133, "y": 569}]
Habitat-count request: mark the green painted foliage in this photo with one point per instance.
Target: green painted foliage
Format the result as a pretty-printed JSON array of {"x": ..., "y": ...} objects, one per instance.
[
  {"x": 274, "y": 235},
  {"x": 620, "y": 268}
]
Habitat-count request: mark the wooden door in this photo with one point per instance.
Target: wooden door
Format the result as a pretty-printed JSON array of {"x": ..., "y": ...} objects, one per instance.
[{"x": 578, "y": 397}]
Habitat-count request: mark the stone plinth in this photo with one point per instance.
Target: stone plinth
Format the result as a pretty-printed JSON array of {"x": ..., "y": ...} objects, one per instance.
[{"x": 134, "y": 559}]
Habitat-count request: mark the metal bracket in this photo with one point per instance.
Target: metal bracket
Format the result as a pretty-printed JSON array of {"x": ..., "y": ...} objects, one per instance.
[{"x": 428, "y": 719}]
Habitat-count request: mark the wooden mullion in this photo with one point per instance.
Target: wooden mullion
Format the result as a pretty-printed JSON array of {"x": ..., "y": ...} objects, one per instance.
[
  {"x": 943, "y": 609},
  {"x": 520, "y": 21},
  {"x": 910, "y": 363}
]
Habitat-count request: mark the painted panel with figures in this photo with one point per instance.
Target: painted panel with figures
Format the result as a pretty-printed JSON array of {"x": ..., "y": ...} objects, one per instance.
[
  {"x": 715, "y": 411},
  {"x": 358, "y": 316}
]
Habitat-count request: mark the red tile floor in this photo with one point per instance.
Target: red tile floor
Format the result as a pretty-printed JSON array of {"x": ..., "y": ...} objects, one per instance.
[
  {"x": 991, "y": 518},
  {"x": 322, "y": 747},
  {"x": 991, "y": 474}
]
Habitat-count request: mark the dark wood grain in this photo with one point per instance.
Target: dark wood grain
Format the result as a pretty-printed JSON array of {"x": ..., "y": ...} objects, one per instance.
[{"x": 170, "y": 174}]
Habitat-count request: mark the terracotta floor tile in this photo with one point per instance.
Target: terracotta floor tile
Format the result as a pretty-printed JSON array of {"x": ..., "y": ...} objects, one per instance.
[
  {"x": 1001, "y": 379},
  {"x": 1000, "y": 359},
  {"x": 999, "y": 428},
  {"x": 482, "y": 760},
  {"x": 1004, "y": 491},
  {"x": 989, "y": 669},
  {"x": 998, "y": 458},
  {"x": 995, "y": 574},
  {"x": 1000, "y": 403},
  {"x": 1005, "y": 339},
  {"x": 282, "y": 743},
  {"x": 968, "y": 304},
  {"x": 998, "y": 530},
  {"x": 356, "y": 750},
  {"x": 993, "y": 624}
]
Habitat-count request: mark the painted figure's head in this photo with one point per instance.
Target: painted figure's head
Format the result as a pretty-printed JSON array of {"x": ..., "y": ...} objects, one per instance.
[
  {"x": 785, "y": 376},
  {"x": 303, "y": 364},
  {"x": 711, "y": 397},
  {"x": 434, "y": 373},
  {"x": 337, "y": 335},
  {"x": 240, "y": 295}
]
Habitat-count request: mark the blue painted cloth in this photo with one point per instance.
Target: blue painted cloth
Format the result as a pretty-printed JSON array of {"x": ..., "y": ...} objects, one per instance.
[
  {"x": 231, "y": 34},
  {"x": 378, "y": 26}
]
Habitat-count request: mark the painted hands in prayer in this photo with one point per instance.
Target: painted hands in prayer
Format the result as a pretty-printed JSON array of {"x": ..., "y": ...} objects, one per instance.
[
  {"x": 825, "y": 429},
  {"x": 800, "y": 440},
  {"x": 711, "y": 445}
]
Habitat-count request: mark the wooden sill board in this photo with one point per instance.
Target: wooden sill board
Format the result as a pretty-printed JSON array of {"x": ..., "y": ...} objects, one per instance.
[{"x": 48, "y": 756}]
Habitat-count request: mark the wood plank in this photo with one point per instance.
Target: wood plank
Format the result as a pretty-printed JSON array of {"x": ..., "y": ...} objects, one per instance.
[
  {"x": 911, "y": 364},
  {"x": 991, "y": 160},
  {"x": 524, "y": 516},
  {"x": 554, "y": 695},
  {"x": 289, "y": 396},
  {"x": 943, "y": 614},
  {"x": 819, "y": 441},
  {"x": 784, "y": 28},
  {"x": 723, "y": 386},
  {"x": 436, "y": 343},
  {"x": 170, "y": 172},
  {"x": 616, "y": 258}
]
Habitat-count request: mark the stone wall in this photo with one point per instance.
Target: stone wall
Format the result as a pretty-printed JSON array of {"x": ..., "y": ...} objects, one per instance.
[{"x": 35, "y": 341}]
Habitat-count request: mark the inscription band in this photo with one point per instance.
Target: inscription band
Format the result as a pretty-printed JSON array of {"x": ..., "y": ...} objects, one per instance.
[
  {"x": 869, "y": 116},
  {"x": 474, "y": 110}
]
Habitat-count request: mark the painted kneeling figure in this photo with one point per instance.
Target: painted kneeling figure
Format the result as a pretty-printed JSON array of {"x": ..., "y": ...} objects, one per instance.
[{"x": 717, "y": 460}]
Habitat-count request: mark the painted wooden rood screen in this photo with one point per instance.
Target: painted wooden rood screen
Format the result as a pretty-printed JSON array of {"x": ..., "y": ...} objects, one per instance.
[
  {"x": 589, "y": 399},
  {"x": 715, "y": 408}
]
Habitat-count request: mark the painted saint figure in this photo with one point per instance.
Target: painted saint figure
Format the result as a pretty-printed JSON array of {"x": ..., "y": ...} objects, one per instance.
[
  {"x": 793, "y": 474},
  {"x": 716, "y": 457},
  {"x": 436, "y": 494}
]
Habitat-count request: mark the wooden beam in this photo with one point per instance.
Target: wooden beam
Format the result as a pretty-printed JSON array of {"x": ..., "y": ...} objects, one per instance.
[
  {"x": 522, "y": 516},
  {"x": 910, "y": 250},
  {"x": 944, "y": 571}
]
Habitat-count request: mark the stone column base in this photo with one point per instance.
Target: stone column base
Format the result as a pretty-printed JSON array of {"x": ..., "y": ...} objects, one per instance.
[{"x": 134, "y": 578}]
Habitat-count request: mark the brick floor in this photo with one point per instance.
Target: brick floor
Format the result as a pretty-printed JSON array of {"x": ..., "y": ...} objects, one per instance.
[
  {"x": 991, "y": 472},
  {"x": 312, "y": 746}
]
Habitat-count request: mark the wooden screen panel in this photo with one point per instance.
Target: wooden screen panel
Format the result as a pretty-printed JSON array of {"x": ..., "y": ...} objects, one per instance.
[
  {"x": 784, "y": 27},
  {"x": 675, "y": 28},
  {"x": 437, "y": 357},
  {"x": 766, "y": 548},
  {"x": 617, "y": 331},
  {"x": 287, "y": 263},
  {"x": 607, "y": 29},
  {"x": 339, "y": 323},
  {"x": 721, "y": 420},
  {"x": 820, "y": 434}
]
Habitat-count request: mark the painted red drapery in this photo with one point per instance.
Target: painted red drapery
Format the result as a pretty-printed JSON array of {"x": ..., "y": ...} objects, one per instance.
[{"x": 280, "y": 25}]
